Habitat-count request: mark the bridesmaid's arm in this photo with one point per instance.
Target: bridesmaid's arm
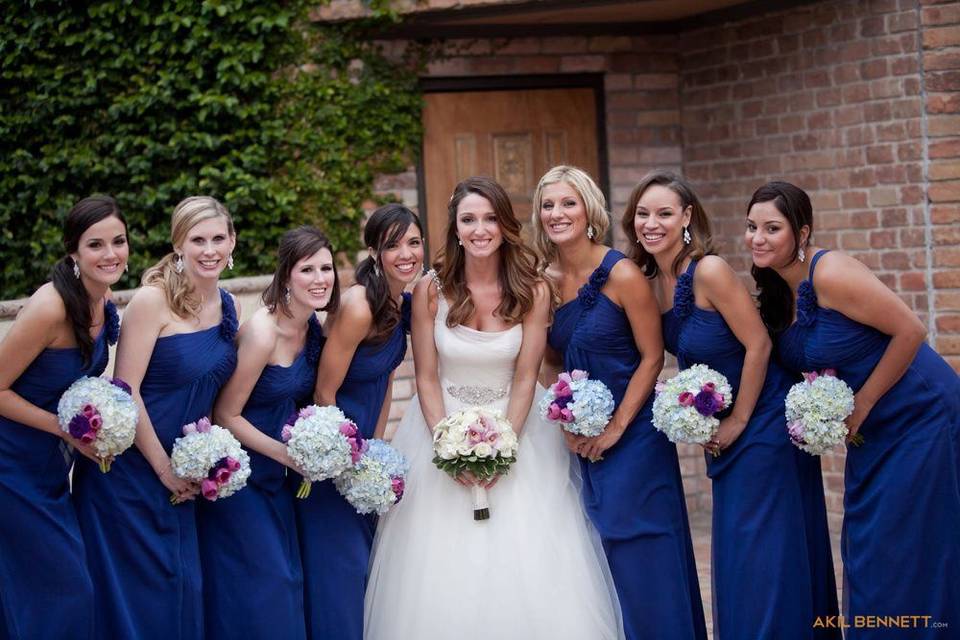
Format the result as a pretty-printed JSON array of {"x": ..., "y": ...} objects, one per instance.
[
  {"x": 727, "y": 294},
  {"x": 628, "y": 288},
  {"x": 143, "y": 320},
  {"x": 846, "y": 285},
  {"x": 347, "y": 329},
  {"x": 528, "y": 360},
  {"x": 425, "y": 359},
  {"x": 255, "y": 342},
  {"x": 384, "y": 410}
]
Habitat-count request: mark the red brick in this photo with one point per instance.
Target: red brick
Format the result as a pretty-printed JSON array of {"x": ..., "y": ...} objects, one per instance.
[
  {"x": 884, "y": 45},
  {"x": 948, "y": 345},
  {"x": 943, "y": 103},
  {"x": 537, "y": 64},
  {"x": 913, "y": 281},
  {"x": 943, "y": 80},
  {"x": 944, "y": 214},
  {"x": 949, "y": 14},
  {"x": 908, "y": 151},
  {"x": 891, "y": 174},
  {"x": 945, "y": 149},
  {"x": 564, "y": 45},
  {"x": 941, "y": 37},
  {"x": 911, "y": 194},
  {"x": 897, "y": 260},
  {"x": 906, "y": 21},
  {"x": 939, "y": 60},
  {"x": 519, "y": 46},
  {"x": 944, "y": 169},
  {"x": 608, "y": 44},
  {"x": 872, "y": 27},
  {"x": 946, "y": 235},
  {"x": 853, "y": 199},
  {"x": 946, "y": 191},
  {"x": 948, "y": 323},
  {"x": 947, "y": 279},
  {"x": 876, "y": 111},
  {"x": 880, "y": 154}
]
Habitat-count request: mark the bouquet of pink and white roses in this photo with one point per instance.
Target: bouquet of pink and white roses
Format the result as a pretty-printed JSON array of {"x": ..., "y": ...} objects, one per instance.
[
  {"x": 686, "y": 405},
  {"x": 209, "y": 454},
  {"x": 376, "y": 482},
  {"x": 816, "y": 410},
  {"x": 100, "y": 412},
  {"x": 323, "y": 443},
  {"x": 578, "y": 404},
  {"x": 476, "y": 441}
]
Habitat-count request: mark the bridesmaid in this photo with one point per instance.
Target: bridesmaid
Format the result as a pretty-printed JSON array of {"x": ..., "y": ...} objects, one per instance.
[
  {"x": 277, "y": 353},
  {"x": 609, "y": 325},
  {"x": 758, "y": 497},
  {"x": 900, "y": 548},
  {"x": 61, "y": 334},
  {"x": 176, "y": 351},
  {"x": 365, "y": 343}
]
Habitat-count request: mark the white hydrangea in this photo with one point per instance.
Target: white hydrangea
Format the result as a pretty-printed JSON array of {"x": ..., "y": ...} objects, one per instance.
[
  {"x": 816, "y": 409},
  {"x": 323, "y": 443},
  {"x": 199, "y": 451},
  {"x": 376, "y": 483},
  {"x": 116, "y": 416},
  {"x": 686, "y": 405}
]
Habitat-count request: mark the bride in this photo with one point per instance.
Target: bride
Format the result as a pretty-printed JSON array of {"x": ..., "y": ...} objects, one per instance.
[{"x": 534, "y": 570}]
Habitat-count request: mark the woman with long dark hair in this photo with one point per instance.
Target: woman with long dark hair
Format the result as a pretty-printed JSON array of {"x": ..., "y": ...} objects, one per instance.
[
  {"x": 479, "y": 332},
  {"x": 366, "y": 341},
  {"x": 900, "y": 547},
  {"x": 760, "y": 488},
  {"x": 278, "y": 349},
  {"x": 62, "y": 334},
  {"x": 608, "y": 324},
  {"x": 176, "y": 351}
]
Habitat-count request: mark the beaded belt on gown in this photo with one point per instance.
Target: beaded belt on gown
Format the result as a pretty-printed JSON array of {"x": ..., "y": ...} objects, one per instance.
[{"x": 476, "y": 394}]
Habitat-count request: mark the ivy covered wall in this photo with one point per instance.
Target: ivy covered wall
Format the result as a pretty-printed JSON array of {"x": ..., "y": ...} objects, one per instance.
[{"x": 285, "y": 121}]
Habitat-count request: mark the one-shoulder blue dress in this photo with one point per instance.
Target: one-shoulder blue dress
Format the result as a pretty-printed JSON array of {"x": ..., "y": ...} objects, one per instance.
[
  {"x": 252, "y": 577},
  {"x": 763, "y": 583},
  {"x": 143, "y": 551},
  {"x": 901, "y": 524},
  {"x": 45, "y": 587},
  {"x": 335, "y": 540},
  {"x": 634, "y": 496}
]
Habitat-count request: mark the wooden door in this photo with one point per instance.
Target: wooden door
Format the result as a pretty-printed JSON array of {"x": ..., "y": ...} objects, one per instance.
[{"x": 511, "y": 136}]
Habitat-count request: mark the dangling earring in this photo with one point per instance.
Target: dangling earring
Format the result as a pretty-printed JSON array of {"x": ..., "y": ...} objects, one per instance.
[
  {"x": 126, "y": 267},
  {"x": 590, "y": 232},
  {"x": 802, "y": 255},
  {"x": 459, "y": 242},
  {"x": 686, "y": 236},
  {"x": 376, "y": 268},
  {"x": 230, "y": 261},
  {"x": 76, "y": 270},
  {"x": 286, "y": 295},
  {"x": 178, "y": 264}
]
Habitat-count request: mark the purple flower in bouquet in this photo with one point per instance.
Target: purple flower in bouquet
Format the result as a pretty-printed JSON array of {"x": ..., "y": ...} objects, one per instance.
[
  {"x": 708, "y": 401},
  {"x": 117, "y": 382},
  {"x": 81, "y": 430},
  {"x": 795, "y": 430},
  {"x": 398, "y": 485},
  {"x": 357, "y": 444},
  {"x": 209, "y": 489}
]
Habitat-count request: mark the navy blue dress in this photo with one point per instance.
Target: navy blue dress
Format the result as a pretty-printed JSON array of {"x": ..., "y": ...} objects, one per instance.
[
  {"x": 335, "y": 540},
  {"x": 143, "y": 552},
  {"x": 634, "y": 496},
  {"x": 901, "y": 525},
  {"x": 45, "y": 587},
  {"x": 763, "y": 582},
  {"x": 252, "y": 577}
]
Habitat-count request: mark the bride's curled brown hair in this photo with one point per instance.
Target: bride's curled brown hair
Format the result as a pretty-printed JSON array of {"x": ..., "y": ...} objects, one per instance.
[{"x": 518, "y": 262}]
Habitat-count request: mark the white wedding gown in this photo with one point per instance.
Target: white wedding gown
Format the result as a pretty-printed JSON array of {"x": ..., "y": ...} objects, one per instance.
[{"x": 534, "y": 570}]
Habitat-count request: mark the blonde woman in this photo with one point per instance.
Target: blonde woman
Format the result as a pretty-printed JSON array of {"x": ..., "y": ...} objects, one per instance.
[{"x": 176, "y": 351}]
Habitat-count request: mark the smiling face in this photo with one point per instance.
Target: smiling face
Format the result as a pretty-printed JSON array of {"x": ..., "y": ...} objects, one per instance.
[
  {"x": 401, "y": 260},
  {"x": 562, "y": 213},
  {"x": 102, "y": 251},
  {"x": 770, "y": 238},
  {"x": 312, "y": 280},
  {"x": 659, "y": 220},
  {"x": 478, "y": 227},
  {"x": 206, "y": 248}
]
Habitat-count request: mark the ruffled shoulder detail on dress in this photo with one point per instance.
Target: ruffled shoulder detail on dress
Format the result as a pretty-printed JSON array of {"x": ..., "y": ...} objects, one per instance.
[
  {"x": 683, "y": 296},
  {"x": 315, "y": 340},
  {"x": 406, "y": 311},
  {"x": 228, "y": 319},
  {"x": 588, "y": 292},
  {"x": 111, "y": 322},
  {"x": 806, "y": 304}
]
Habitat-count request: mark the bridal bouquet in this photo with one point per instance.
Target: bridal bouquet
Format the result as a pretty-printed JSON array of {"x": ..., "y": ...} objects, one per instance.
[
  {"x": 477, "y": 441},
  {"x": 376, "y": 482},
  {"x": 816, "y": 409},
  {"x": 209, "y": 454},
  {"x": 323, "y": 443},
  {"x": 686, "y": 405},
  {"x": 100, "y": 412},
  {"x": 578, "y": 404}
]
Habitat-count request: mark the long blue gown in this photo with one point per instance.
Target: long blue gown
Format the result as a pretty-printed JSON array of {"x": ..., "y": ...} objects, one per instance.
[
  {"x": 901, "y": 525},
  {"x": 143, "y": 551},
  {"x": 634, "y": 496},
  {"x": 335, "y": 540},
  {"x": 45, "y": 587},
  {"x": 252, "y": 577},
  {"x": 763, "y": 582}
]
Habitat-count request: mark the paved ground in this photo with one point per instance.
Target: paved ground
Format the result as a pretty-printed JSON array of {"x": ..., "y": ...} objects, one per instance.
[{"x": 700, "y": 527}]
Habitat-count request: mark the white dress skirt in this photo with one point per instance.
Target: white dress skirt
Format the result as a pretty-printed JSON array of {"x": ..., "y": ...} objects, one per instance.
[{"x": 534, "y": 570}]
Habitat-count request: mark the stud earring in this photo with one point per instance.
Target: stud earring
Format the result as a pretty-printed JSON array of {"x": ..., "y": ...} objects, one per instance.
[
  {"x": 802, "y": 255},
  {"x": 230, "y": 261},
  {"x": 686, "y": 236},
  {"x": 590, "y": 232},
  {"x": 76, "y": 270},
  {"x": 286, "y": 295},
  {"x": 178, "y": 264}
]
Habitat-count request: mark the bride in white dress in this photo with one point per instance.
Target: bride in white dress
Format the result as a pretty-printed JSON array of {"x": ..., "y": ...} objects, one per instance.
[{"x": 535, "y": 569}]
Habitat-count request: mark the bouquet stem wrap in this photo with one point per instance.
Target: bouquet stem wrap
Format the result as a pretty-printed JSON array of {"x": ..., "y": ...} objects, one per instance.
[{"x": 481, "y": 507}]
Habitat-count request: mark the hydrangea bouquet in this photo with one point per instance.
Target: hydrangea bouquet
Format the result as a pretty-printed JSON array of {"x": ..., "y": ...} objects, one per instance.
[
  {"x": 323, "y": 443},
  {"x": 376, "y": 482},
  {"x": 477, "y": 441},
  {"x": 578, "y": 404},
  {"x": 816, "y": 409},
  {"x": 100, "y": 412},
  {"x": 686, "y": 405},
  {"x": 210, "y": 455}
]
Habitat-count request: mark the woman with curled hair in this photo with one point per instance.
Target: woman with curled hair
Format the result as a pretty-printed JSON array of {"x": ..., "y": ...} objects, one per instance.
[
  {"x": 479, "y": 331},
  {"x": 825, "y": 309},
  {"x": 366, "y": 341},
  {"x": 176, "y": 351},
  {"x": 278, "y": 349},
  {"x": 62, "y": 333},
  {"x": 608, "y": 324}
]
